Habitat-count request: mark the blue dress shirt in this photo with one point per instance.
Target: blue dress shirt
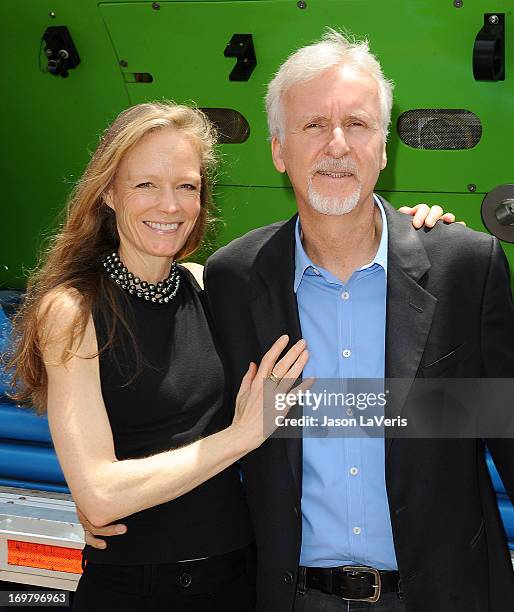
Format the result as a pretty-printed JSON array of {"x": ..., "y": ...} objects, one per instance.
[{"x": 344, "y": 501}]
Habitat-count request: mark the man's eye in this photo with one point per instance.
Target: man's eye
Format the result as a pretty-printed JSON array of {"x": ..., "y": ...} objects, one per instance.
[
  {"x": 189, "y": 187},
  {"x": 313, "y": 125},
  {"x": 144, "y": 185}
]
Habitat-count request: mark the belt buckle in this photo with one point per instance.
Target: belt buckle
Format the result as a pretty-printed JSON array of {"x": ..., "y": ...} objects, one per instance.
[{"x": 370, "y": 570}]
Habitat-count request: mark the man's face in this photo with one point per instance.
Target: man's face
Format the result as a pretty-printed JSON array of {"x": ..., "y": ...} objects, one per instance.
[{"x": 333, "y": 148}]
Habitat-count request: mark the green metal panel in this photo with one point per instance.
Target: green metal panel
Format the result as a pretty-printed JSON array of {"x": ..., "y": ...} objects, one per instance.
[
  {"x": 49, "y": 124},
  {"x": 425, "y": 47}
]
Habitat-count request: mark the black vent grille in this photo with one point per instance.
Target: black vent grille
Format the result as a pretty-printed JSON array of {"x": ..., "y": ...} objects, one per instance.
[
  {"x": 232, "y": 127},
  {"x": 439, "y": 129}
]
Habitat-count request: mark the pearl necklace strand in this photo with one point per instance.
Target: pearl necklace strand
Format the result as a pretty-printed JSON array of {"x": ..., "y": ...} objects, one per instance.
[{"x": 159, "y": 293}]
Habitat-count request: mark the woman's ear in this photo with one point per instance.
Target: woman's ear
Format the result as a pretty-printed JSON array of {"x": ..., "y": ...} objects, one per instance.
[{"x": 109, "y": 199}]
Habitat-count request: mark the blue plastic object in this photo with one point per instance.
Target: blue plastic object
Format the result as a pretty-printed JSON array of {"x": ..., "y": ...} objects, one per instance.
[
  {"x": 23, "y": 424},
  {"x": 37, "y": 486},
  {"x": 29, "y": 461},
  {"x": 5, "y": 335}
]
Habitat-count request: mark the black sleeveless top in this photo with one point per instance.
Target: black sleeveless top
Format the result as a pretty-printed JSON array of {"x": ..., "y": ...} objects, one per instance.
[{"x": 177, "y": 398}]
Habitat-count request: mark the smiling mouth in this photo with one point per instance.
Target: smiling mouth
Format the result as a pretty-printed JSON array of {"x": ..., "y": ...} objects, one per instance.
[{"x": 162, "y": 227}]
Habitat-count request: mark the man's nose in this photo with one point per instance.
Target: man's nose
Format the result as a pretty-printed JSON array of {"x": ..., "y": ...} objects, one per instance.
[{"x": 338, "y": 146}]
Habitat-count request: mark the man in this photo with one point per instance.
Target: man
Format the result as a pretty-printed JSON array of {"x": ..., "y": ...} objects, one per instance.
[{"x": 373, "y": 297}]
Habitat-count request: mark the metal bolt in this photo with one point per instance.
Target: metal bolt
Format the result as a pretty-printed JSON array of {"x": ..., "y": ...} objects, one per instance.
[
  {"x": 493, "y": 19},
  {"x": 472, "y": 187},
  {"x": 48, "y": 52},
  {"x": 123, "y": 63},
  {"x": 63, "y": 54},
  {"x": 156, "y": 6},
  {"x": 458, "y": 3},
  {"x": 301, "y": 4},
  {"x": 52, "y": 14}
]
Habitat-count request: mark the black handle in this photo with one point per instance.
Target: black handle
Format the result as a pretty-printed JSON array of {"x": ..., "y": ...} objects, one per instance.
[
  {"x": 241, "y": 47},
  {"x": 489, "y": 49}
]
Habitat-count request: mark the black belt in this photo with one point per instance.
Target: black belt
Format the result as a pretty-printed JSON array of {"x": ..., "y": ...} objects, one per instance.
[{"x": 358, "y": 583}]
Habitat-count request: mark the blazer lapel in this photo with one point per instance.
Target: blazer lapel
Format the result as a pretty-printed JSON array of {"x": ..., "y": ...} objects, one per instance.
[
  {"x": 275, "y": 312},
  {"x": 410, "y": 308}
]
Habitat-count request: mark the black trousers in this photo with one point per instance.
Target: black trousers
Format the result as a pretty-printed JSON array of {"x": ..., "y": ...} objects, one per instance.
[{"x": 225, "y": 583}]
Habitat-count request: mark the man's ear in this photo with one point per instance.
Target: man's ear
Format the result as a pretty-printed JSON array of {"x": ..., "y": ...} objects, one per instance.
[
  {"x": 384, "y": 158},
  {"x": 276, "y": 153}
]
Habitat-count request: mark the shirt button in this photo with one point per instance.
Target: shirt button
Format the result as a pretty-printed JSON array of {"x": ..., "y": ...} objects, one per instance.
[
  {"x": 347, "y": 353},
  {"x": 185, "y": 580},
  {"x": 288, "y": 578},
  {"x": 316, "y": 272},
  {"x": 356, "y": 530},
  {"x": 354, "y": 471},
  {"x": 345, "y": 295}
]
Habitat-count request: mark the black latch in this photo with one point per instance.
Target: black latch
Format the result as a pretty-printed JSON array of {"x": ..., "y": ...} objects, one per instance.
[
  {"x": 241, "y": 47},
  {"x": 489, "y": 49},
  {"x": 61, "y": 52}
]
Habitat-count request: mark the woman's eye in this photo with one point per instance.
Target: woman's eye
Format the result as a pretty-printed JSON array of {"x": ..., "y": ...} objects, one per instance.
[{"x": 144, "y": 185}]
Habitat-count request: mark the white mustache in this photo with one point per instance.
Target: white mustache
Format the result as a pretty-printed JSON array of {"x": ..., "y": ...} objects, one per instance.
[{"x": 335, "y": 165}]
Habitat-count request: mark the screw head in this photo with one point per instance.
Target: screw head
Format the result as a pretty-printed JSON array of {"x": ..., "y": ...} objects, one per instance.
[
  {"x": 472, "y": 187},
  {"x": 493, "y": 19},
  {"x": 123, "y": 63},
  {"x": 48, "y": 52},
  {"x": 156, "y": 6},
  {"x": 458, "y": 3},
  {"x": 301, "y": 4},
  {"x": 51, "y": 14}
]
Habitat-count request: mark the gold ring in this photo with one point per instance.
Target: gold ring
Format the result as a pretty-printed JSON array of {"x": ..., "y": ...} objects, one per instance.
[{"x": 274, "y": 378}]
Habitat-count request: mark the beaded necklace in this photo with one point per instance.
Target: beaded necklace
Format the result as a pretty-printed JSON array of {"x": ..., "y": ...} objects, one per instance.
[{"x": 159, "y": 293}]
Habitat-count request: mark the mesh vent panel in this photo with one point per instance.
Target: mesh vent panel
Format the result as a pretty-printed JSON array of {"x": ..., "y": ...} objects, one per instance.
[
  {"x": 232, "y": 127},
  {"x": 439, "y": 129}
]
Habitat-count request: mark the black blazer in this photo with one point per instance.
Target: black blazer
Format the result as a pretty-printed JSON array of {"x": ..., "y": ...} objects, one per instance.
[{"x": 449, "y": 312}]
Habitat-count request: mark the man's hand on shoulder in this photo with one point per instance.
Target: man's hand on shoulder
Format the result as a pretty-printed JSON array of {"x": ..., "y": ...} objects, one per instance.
[
  {"x": 422, "y": 214},
  {"x": 196, "y": 270}
]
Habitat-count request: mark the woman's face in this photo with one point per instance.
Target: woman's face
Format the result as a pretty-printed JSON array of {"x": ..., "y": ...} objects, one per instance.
[{"x": 156, "y": 198}]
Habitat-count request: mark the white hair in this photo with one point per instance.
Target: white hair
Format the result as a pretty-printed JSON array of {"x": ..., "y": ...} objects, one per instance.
[{"x": 334, "y": 49}]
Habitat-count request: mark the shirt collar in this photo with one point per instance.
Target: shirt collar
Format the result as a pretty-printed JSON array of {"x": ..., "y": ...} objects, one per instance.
[{"x": 304, "y": 263}]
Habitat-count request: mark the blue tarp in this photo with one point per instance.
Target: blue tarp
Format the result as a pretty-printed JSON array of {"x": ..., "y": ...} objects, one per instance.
[
  {"x": 23, "y": 424},
  {"x": 31, "y": 461},
  {"x": 5, "y": 334},
  {"x": 37, "y": 486}
]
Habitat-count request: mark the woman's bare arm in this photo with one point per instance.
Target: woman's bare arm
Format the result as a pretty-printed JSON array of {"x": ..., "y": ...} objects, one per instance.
[{"x": 107, "y": 489}]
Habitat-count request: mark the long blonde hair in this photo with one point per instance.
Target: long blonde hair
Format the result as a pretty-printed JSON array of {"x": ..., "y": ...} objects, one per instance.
[{"x": 73, "y": 259}]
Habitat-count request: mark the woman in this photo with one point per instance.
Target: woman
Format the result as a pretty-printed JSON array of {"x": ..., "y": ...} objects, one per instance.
[{"x": 114, "y": 342}]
